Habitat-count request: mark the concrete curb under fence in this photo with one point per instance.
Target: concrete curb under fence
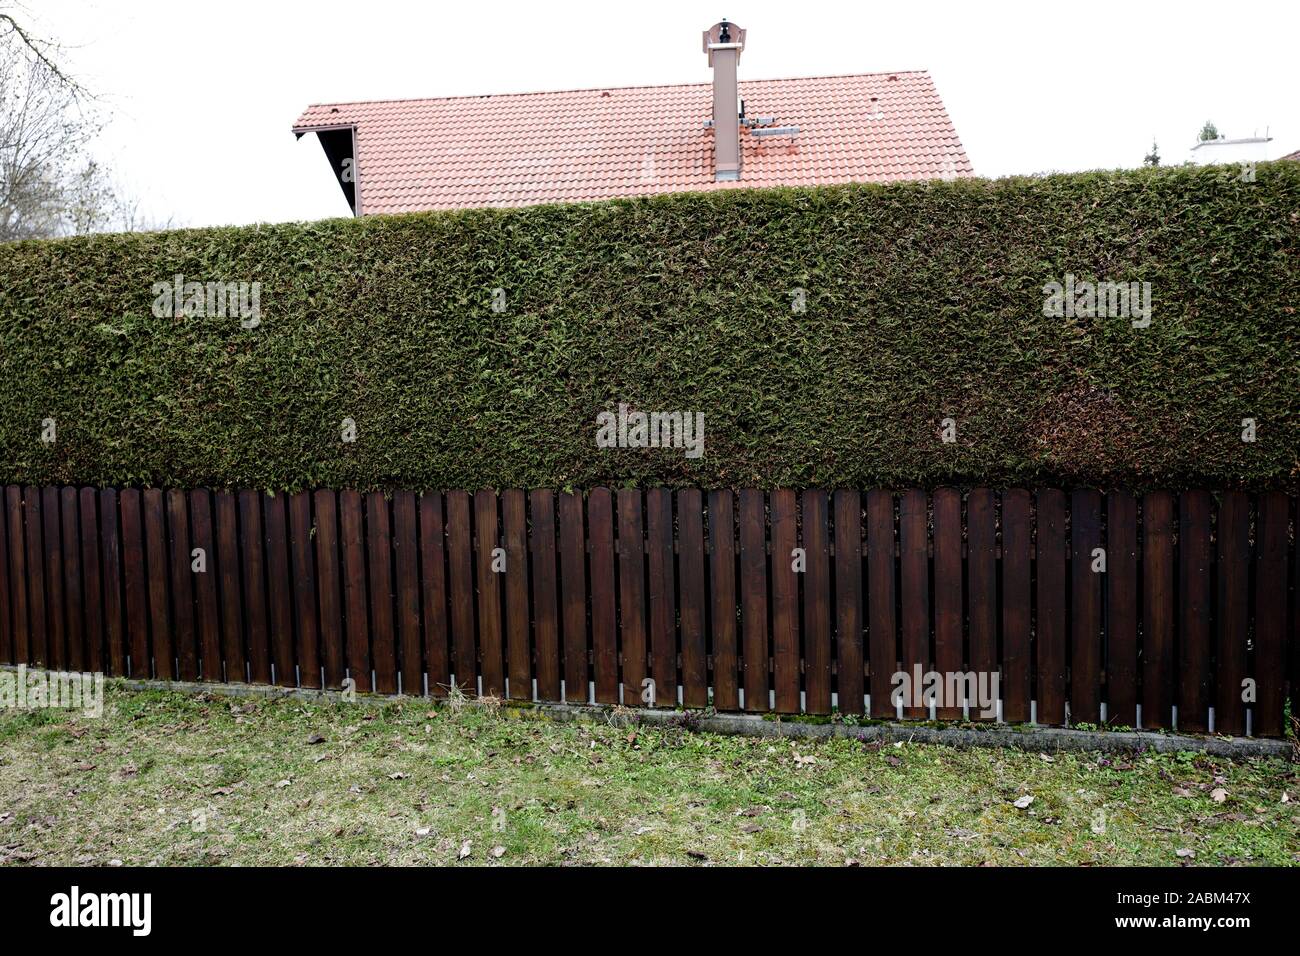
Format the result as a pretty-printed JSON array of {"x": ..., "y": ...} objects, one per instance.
[{"x": 1030, "y": 738}]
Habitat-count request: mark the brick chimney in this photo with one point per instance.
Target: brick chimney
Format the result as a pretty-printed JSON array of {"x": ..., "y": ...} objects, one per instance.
[{"x": 723, "y": 43}]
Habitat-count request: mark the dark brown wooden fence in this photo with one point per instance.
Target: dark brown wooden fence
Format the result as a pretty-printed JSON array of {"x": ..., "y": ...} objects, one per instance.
[{"x": 592, "y": 595}]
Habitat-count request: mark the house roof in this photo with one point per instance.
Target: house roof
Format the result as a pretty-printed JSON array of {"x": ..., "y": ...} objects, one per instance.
[
  {"x": 519, "y": 149},
  {"x": 1295, "y": 155}
]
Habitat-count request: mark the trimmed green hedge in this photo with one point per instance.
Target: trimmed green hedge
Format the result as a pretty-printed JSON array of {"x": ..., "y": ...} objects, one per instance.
[{"x": 924, "y": 302}]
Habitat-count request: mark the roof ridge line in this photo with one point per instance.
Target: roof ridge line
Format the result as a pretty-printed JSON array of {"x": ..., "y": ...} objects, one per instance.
[{"x": 594, "y": 89}]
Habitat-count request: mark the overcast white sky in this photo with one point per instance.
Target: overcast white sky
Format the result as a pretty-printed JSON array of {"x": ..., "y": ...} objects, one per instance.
[{"x": 203, "y": 93}]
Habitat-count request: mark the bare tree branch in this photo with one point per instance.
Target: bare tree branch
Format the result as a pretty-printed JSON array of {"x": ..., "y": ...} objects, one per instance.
[{"x": 44, "y": 52}]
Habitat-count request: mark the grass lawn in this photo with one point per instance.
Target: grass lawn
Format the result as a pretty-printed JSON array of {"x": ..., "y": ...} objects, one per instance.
[{"x": 180, "y": 780}]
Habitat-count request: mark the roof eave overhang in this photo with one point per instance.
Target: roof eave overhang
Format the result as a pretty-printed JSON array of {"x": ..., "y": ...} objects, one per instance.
[{"x": 339, "y": 142}]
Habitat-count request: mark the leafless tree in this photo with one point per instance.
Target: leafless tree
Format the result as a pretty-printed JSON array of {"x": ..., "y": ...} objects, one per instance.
[
  {"x": 42, "y": 135},
  {"x": 49, "y": 185}
]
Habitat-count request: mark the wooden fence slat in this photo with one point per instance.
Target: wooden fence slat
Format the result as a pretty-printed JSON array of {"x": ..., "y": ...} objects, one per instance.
[
  {"x": 690, "y": 566},
  {"x": 1295, "y": 627},
  {"x": 848, "y": 601},
  {"x": 785, "y": 600},
  {"x": 280, "y": 591},
  {"x": 662, "y": 596},
  {"x": 75, "y": 600},
  {"x": 111, "y": 579},
  {"x": 1158, "y": 620},
  {"x": 1232, "y": 624},
  {"x": 546, "y": 622},
  {"x": 56, "y": 644},
  {"x": 631, "y": 594},
  {"x": 355, "y": 612},
  {"x": 254, "y": 568},
  {"x": 1270, "y": 612},
  {"x": 38, "y": 645},
  {"x": 491, "y": 637},
  {"x": 1085, "y": 606},
  {"x": 982, "y": 589},
  {"x": 433, "y": 579},
  {"x": 914, "y": 612},
  {"x": 157, "y": 561},
  {"x": 208, "y": 615},
  {"x": 948, "y": 604},
  {"x": 1195, "y": 626},
  {"x": 753, "y": 598},
  {"x": 179, "y": 570},
  {"x": 18, "y": 578},
  {"x": 722, "y": 597},
  {"x": 379, "y": 549},
  {"x": 1017, "y": 590},
  {"x": 514, "y": 517},
  {"x": 816, "y": 602},
  {"x": 406, "y": 555},
  {"x": 604, "y": 611},
  {"x": 882, "y": 601},
  {"x": 229, "y": 583},
  {"x": 460, "y": 566},
  {"x": 305, "y": 603},
  {"x": 333, "y": 633},
  {"x": 92, "y": 575},
  {"x": 1121, "y": 609},
  {"x": 1052, "y": 584},
  {"x": 135, "y": 584},
  {"x": 6, "y": 615},
  {"x": 573, "y": 589}
]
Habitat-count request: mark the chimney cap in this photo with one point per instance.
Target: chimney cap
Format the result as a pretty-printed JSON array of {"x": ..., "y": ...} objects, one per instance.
[{"x": 713, "y": 38}]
